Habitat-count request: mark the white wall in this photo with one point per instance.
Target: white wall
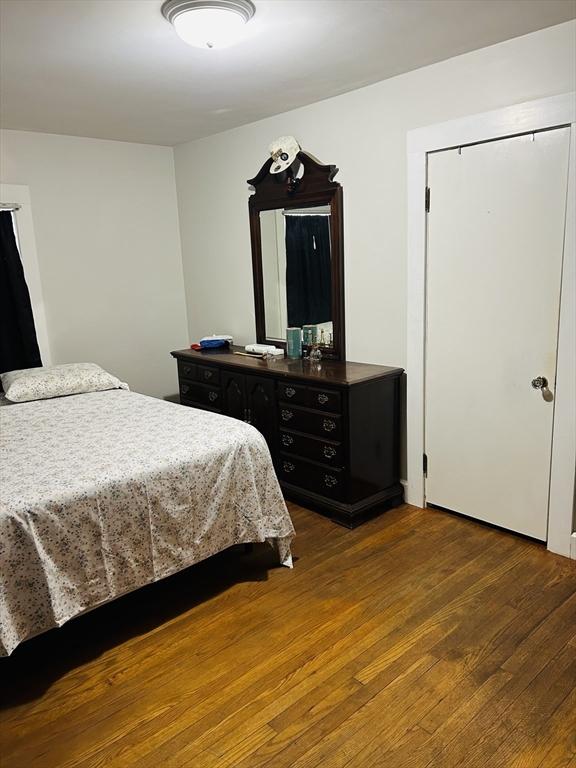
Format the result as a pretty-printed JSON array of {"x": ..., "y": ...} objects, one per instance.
[
  {"x": 364, "y": 133},
  {"x": 106, "y": 227}
]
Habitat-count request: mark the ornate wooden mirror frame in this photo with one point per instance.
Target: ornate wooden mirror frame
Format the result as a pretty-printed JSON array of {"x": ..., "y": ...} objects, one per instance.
[{"x": 289, "y": 190}]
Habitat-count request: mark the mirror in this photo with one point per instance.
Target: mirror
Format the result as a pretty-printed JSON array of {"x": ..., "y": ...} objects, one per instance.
[
  {"x": 297, "y": 272},
  {"x": 296, "y": 231}
]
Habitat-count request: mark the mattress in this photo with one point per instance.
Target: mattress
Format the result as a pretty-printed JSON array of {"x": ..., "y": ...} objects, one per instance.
[{"x": 102, "y": 493}]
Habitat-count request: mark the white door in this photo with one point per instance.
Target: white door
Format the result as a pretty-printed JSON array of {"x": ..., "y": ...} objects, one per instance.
[{"x": 494, "y": 260}]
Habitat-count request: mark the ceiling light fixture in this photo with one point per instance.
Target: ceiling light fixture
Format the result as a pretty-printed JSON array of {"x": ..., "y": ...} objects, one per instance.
[{"x": 209, "y": 23}]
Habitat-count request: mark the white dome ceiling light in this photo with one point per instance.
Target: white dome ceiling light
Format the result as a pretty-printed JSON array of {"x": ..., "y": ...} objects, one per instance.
[{"x": 209, "y": 23}]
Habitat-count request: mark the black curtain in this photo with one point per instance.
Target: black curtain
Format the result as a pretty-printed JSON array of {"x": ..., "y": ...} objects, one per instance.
[
  {"x": 18, "y": 343},
  {"x": 308, "y": 270}
]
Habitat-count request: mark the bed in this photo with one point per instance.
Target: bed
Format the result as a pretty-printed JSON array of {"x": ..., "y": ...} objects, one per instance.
[{"x": 104, "y": 492}]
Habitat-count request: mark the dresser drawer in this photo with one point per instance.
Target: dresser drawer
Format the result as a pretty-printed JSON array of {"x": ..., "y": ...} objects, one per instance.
[
  {"x": 292, "y": 393},
  {"x": 304, "y": 420},
  {"x": 208, "y": 374},
  {"x": 324, "y": 451},
  {"x": 186, "y": 370},
  {"x": 326, "y": 481},
  {"x": 201, "y": 393},
  {"x": 325, "y": 400}
]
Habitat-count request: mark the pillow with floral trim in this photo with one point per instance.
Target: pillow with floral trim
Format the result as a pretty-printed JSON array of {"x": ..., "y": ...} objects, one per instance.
[{"x": 57, "y": 381}]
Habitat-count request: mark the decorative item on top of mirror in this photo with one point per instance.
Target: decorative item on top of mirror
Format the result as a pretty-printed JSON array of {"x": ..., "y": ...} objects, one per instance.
[{"x": 297, "y": 250}]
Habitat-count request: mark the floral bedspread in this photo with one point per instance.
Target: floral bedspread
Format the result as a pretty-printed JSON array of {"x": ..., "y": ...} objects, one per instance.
[{"x": 102, "y": 493}]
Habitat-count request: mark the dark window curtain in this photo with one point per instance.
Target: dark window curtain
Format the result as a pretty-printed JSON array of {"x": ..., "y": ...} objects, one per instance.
[
  {"x": 18, "y": 343},
  {"x": 308, "y": 270}
]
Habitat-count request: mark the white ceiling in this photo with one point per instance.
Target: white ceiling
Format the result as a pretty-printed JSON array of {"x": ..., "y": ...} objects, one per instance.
[{"x": 115, "y": 69}]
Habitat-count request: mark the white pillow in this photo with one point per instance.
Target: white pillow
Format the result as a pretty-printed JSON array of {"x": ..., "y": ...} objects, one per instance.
[{"x": 56, "y": 381}]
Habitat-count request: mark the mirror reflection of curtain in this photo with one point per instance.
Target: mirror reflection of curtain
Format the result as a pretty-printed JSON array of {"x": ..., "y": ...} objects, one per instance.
[
  {"x": 18, "y": 344},
  {"x": 308, "y": 270}
]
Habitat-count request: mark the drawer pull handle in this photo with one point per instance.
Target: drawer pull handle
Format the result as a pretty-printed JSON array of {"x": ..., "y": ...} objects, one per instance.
[
  {"x": 186, "y": 370},
  {"x": 212, "y": 396},
  {"x": 287, "y": 415},
  {"x": 328, "y": 425},
  {"x": 329, "y": 452},
  {"x": 330, "y": 481},
  {"x": 184, "y": 388},
  {"x": 289, "y": 391},
  {"x": 323, "y": 399},
  {"x": 287, "y": 439},
  {"x": 288, "y": 466},
  {"x": 208, "y": 374}
]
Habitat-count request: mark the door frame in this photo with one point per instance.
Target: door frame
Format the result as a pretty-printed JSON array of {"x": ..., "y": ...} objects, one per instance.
[{"x": 541, "y": 114}]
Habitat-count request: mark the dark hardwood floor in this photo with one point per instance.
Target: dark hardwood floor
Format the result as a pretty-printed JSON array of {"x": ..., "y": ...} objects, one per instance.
[{"x": 419, "y": 639}]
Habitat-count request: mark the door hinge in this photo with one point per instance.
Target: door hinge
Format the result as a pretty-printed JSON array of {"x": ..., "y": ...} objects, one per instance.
[
  {"x": 427, "y": 200},
  {"x": 425, "y": 464}
]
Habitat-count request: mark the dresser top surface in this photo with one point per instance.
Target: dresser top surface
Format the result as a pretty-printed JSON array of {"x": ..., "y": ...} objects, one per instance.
[{"x": 343, "y": 373}]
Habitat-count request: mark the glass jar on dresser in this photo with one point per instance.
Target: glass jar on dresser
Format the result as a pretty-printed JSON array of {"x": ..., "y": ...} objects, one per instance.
[{"x": 332, "y": 429}]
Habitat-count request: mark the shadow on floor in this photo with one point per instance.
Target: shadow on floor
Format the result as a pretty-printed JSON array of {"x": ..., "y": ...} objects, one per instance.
[{"x": 37, "y": 663}]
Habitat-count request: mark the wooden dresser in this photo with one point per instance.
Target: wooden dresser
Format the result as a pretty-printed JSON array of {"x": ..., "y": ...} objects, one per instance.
[{"x": 332, "y": 429}]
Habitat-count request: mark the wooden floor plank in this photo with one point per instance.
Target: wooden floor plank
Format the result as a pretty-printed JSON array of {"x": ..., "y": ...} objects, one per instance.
[{"x": 418, "y": 640}]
